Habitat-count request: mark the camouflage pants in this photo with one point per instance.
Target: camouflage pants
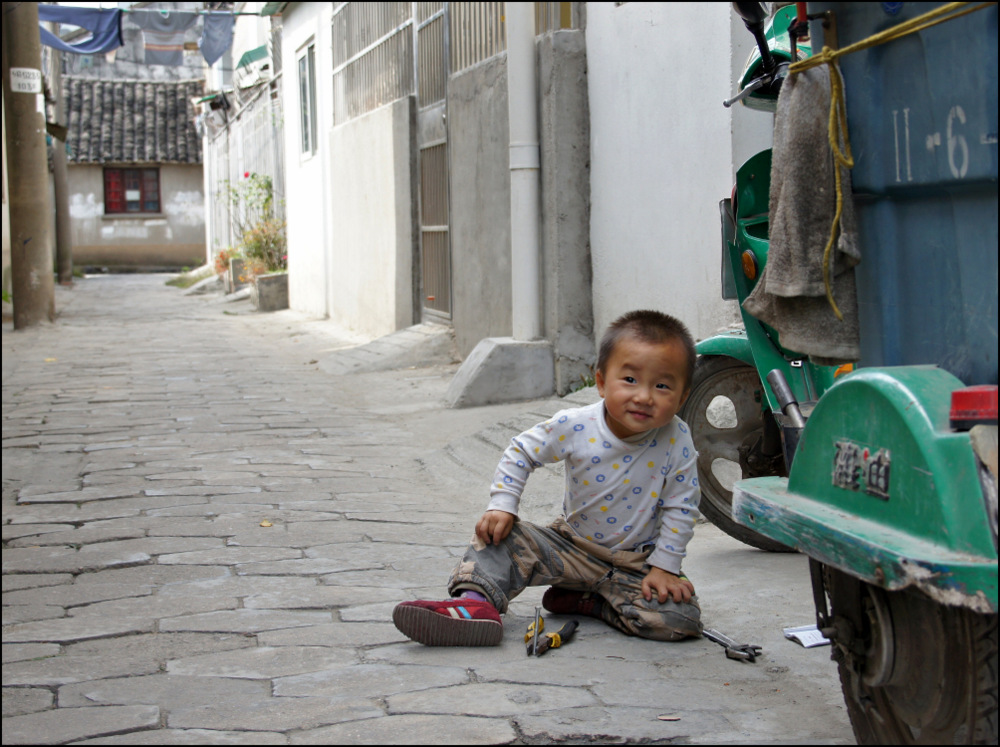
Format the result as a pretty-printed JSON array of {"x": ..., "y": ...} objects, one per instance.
[{"x": 555, "y": 556}]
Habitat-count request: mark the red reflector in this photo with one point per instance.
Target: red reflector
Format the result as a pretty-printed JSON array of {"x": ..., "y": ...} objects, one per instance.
[{"x": 973, "y": 405}]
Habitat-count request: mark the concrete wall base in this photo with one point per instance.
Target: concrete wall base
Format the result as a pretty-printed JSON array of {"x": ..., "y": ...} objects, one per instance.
[
  {"x": 502, "y": 369},
  {"x": 419, "y": 346}
]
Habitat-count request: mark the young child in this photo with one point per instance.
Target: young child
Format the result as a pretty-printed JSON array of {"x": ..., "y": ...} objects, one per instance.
[{"x": 628, "y": 511}]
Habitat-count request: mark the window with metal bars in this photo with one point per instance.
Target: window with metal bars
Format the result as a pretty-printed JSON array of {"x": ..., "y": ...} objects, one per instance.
[
  {"x": 372, "y": 56},
  {"x": 131, "y": 190}
]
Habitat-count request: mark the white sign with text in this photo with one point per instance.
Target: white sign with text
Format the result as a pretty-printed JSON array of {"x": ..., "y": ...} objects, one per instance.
[{"x": 25, "y": 80}]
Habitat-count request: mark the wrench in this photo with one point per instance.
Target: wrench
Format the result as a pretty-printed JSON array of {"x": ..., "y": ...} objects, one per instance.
[{"x": 739, "y": 651}]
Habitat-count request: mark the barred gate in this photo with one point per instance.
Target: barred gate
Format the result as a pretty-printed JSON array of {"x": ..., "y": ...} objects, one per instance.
[
  {"x": 381, "y": 53},
  {"x": 432, "y": 148},
  {"x": 217, "y": 163},
  {"x": 450, "y": 38},
  {"x": 251, "y": 141}
]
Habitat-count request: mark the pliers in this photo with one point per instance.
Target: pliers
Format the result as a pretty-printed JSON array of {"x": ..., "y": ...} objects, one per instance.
[
  {"x": 538, "y": 642},
  {"x": 739, "y": 651}
]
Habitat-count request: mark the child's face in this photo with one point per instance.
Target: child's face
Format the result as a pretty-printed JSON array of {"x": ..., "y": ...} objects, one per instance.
[{"x": 643, "y": 385}]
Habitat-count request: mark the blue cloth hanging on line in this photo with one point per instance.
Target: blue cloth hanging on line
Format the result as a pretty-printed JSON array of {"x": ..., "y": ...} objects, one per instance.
[
  {"x": 162, "y": 36},
  {"x": 104, "y": 25},
  {"x": 216, "y": 36}
]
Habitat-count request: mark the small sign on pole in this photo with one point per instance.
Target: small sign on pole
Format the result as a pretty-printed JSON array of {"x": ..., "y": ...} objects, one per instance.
[{"x": 25, "y": 80}]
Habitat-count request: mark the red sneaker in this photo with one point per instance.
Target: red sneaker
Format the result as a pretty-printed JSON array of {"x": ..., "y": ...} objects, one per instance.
[
  {"x": 568, "y": 602},
  {"x": 454, "y": 622}
]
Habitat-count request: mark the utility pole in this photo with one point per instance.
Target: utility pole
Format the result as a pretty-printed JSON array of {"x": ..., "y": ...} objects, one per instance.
[
  {"x": 64, "y": 237},
  {"x": 31, "y": 255}
]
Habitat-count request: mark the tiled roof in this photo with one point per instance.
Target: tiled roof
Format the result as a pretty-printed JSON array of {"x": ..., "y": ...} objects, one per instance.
[{"x": 132, "y": 121}]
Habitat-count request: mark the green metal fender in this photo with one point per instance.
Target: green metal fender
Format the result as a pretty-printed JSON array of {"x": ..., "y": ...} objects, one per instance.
[
  {"x": 882, "y": 488},
  {"x": 733, "y": 344},
  {"x": 806, "y": 381}
]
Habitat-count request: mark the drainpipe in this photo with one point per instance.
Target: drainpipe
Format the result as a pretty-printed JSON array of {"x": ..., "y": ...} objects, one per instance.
[{"x": 522, "y": 102}]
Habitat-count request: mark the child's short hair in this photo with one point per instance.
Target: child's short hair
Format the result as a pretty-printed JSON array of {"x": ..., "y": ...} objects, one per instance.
[{"x": 648, "y": 326}]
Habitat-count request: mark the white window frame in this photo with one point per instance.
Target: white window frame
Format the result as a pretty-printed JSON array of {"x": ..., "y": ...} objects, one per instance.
[{"x": 305, "y": 68}]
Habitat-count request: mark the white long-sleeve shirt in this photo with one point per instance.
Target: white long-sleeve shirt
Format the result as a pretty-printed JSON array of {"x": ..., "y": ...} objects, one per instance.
[{"x": 624, "y": 495}]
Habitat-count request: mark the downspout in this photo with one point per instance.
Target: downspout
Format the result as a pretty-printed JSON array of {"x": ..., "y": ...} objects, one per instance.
[{"x": 522, "y": 103}]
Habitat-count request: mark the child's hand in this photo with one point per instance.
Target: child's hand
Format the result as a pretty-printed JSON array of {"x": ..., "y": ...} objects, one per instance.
[
  {"x": 665, "y": 584},
  {"x": 494, "y": 526}
]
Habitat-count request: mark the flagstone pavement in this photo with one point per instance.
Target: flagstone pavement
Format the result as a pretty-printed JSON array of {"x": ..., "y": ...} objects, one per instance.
[{"x": 209, "y": 514}]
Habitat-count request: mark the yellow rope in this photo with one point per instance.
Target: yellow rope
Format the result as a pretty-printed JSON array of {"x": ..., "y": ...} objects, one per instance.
[{"x": 838, "y": 109}]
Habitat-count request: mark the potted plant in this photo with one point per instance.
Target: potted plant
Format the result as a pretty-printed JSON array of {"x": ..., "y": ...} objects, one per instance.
[
  {"x": 229, "y": 267},
  {"x": 262, "y": 250},
  {"x": 264, "y": 247}
]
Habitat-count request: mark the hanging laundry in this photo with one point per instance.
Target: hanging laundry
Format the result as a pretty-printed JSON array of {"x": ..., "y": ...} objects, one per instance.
[
  {"x": 217, "y": 36},
  {"x": 105, "y": 27},
  {"x": 163, "y": 35}
]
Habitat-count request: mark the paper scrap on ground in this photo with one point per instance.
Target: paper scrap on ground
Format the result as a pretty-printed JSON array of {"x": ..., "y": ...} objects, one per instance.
[{"x": 807, "y": 635}]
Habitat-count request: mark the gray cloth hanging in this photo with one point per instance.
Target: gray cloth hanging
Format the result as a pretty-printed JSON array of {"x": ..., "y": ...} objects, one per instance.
[
  {"x": 791, "y": 294},
  {"x": 163, "y": 35},
  {"x": 216, "y": 36}
]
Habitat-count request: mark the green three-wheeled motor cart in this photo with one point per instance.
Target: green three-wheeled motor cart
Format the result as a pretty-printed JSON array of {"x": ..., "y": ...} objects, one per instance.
[{"x": 884, "y": 470}]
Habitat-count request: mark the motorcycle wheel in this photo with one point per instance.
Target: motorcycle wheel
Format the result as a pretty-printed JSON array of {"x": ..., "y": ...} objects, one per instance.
[
  {"x": 913, "y": 671},
  {"x": 726, "y": 411}
]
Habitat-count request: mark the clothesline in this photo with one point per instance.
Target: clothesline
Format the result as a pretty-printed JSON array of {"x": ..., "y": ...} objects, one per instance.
[
  {"x": 171, "y": 11},
  {"x": 162, "y": 32}
]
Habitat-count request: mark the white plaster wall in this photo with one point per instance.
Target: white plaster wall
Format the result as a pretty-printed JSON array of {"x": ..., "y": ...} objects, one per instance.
[
  {"x": 371, "y": 257},
  {"x": 661, "y": 159},
  {"x": 248, "y": 32},
  {"x": 175, "y": 234},
  {"x": 308, "y": 176},
  {"x": 181, "y": 218},
  {"x": 752, "y": 129}
]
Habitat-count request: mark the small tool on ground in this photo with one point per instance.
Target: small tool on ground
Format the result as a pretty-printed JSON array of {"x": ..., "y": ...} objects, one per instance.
[
  {"x": 739, "y": 651},
  {"x": 538, "y": 642}
]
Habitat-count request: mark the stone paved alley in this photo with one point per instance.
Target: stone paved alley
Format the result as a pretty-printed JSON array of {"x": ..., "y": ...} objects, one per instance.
[{"x": 205, "y": 529}]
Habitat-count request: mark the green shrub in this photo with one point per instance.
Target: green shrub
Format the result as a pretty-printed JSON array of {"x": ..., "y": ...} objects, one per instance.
[{"x": 265, "y": 247}]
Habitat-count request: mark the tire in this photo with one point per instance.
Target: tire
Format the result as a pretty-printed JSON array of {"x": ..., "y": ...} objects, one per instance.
[
  {"x": 725, "y": 410},
  {"x": 912, "y": 670}
]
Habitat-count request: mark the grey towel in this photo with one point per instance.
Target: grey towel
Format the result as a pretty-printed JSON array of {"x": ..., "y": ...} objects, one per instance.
[{"x": 791, "y": 295}]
